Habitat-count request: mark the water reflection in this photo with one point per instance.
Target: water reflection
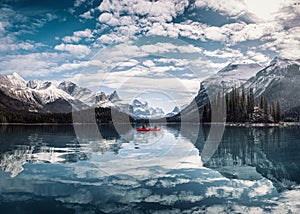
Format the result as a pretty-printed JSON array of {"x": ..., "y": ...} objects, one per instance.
[
  {"x": 153, "y": 172},
  {"x": 249, "y": 153}
]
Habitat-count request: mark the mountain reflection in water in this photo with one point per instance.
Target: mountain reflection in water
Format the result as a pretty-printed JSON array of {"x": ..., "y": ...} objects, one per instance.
[{"x": 47, "y": 169}]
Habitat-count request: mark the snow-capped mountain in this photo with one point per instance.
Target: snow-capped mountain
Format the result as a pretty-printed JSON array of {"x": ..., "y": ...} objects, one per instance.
[
  {"x": 35, "y": 96},
  {"x": 88, "y": 97},
  {"x": 173, "y": 112},
  {"x": 233, "y": 75},
  {"x": 109, "y": 101},
  {"x": 16, "y": 80},
  {"x": 102, "y": 101},
  {"x": 9, "y": 100},
  {"x": 141, "y": 110},
  {"x": 85, "y": 95},
  {"x": 279, "y": 80}
]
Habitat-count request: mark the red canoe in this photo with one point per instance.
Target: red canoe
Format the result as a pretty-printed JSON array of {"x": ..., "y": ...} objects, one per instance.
[{"x": 148, "y": 129}]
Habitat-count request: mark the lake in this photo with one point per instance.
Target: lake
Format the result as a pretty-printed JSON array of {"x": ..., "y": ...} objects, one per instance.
[{"x": 59, "y": 169}]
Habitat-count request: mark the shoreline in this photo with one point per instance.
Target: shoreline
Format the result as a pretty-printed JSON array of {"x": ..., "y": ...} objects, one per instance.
[
  {"x": 35, "y": 124},
  {"x": 230, "y": 124},
  {"x": 281, "y": 124}
]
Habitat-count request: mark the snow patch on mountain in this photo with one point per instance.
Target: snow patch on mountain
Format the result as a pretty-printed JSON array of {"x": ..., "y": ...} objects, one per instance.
[
  {"x": 37, "y": 84},
  {"x": 41, "y": 92},
  {"x": 103, "y": 101},
  {"x": 50, "y": 93}
]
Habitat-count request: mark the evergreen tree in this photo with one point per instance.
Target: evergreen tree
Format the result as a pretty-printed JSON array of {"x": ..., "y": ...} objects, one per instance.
[
  {"x": 261, "y": 102},
  {"x": 278, "y": 111},
  {"x": 250, "y": 102},
  {"x": 205, "y": 114},
  {"x": 240, "y": 106},
  {"x": 273, "y": 111},
  {"x": 265, "y": 108},
  {"x": 243, "y": 106}
]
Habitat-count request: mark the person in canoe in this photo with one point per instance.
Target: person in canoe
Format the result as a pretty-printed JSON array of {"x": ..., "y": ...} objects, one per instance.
[{"x": 145, "y": 128}]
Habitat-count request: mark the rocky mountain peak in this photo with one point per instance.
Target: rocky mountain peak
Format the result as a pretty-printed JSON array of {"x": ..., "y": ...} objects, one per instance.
[
  {"x": 67, "y": 86},
  {"x": 283, "y": 63},
  {"x": 16, "y": 80},
  {"x": 276, "y": 60},
  {"x": 38, "y": 85},
  {"x": 101, "y": 96},
  {"x": 138, "y": 103},
  {"x": 114, "y": 97},
  {"x": 175, "y": 111},
  {"x": 239, "y": 66},
  {"x": 141, "y": 109}
]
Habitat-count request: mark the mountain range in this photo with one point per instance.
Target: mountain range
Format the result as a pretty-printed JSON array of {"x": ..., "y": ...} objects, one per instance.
[
  {"x": 279, "y": 80},
  {"x": 34, "y": 96},
  {"x": 16, "y": 94}
]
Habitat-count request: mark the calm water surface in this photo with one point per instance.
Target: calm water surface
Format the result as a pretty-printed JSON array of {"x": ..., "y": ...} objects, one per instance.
[{"x": 47, "y": 169}]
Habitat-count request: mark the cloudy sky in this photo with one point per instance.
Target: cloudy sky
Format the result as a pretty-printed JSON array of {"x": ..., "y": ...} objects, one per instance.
[{"x": 142, "y": 45}]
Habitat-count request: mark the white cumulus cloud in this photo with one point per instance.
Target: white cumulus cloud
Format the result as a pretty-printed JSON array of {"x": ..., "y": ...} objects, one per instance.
[
  {"x": 78, "y": 36},
  {"x": 79, "y": 51}
]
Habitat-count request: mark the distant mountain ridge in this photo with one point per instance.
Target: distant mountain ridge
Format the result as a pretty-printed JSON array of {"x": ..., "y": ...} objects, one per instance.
[
  {"x": 87, "y": 96},
  {"x": 16, "y": 94},
  {"x": 142, "y": 110}
]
